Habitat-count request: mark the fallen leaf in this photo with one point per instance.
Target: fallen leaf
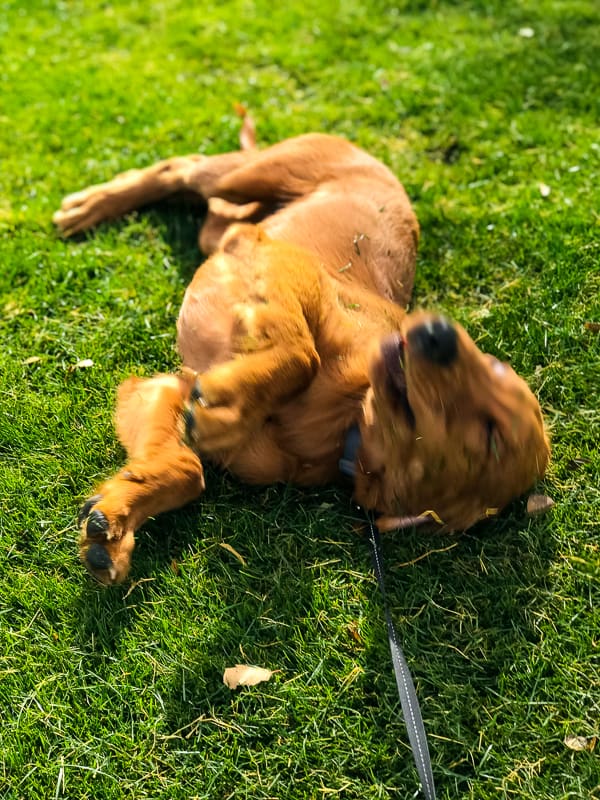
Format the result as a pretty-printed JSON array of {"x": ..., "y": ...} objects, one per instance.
[
  {"x": 243, "y": 675},
  {"x": 354, "y": 632},
  {"x": 594, "y": 327},
  {"x": 85, "y": 363},
  {"x": 538, "y": 504},
  {"x": 233, "y": 552},
  {"x": 351, "y": 677},
  {"x": 580, "y": 743},
  {"x": 31, "y": 360}
]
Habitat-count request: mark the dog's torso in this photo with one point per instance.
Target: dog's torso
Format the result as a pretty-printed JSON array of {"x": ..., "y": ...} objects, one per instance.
[{"x": 255, "y": 293}]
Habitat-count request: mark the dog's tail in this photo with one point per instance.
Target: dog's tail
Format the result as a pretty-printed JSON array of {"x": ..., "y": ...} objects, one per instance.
[{"x": 248, "y": 129}]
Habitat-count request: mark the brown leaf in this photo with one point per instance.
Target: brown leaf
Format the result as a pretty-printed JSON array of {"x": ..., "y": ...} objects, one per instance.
[
  {"x": 233, "y": 552},
  {"x": 243, "y": 675},
  {"x": 580, "y": 743},
  {"x": 354, "y": 632},
  {"x": 594, "y": 327},
  {"x": 538, "y": 504}
]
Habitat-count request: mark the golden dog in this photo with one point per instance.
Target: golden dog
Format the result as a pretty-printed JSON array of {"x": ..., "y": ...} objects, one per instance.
[{"x": 292, "y": 334}]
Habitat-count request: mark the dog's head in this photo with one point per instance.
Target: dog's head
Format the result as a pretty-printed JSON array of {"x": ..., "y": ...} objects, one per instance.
[{"x": 449, "y": 432}]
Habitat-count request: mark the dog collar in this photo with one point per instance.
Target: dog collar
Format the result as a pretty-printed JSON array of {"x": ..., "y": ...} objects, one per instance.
[{"x": 347, "y": 462}]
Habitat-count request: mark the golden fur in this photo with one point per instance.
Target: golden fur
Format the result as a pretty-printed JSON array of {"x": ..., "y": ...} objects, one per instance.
[{"x": 294, "y": 331}]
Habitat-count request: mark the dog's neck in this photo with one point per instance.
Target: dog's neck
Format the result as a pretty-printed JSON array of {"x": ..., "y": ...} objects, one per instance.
[{"x": 359, "y": 461}]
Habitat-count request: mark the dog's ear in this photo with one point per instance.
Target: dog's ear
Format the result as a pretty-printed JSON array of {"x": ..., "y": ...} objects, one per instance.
[{"x": 428, "y": 519}]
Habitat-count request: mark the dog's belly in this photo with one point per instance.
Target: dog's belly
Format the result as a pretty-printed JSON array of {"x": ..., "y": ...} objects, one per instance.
[
  {"x": 264, "y": 460},
  {"x": 303, "y": 441}
]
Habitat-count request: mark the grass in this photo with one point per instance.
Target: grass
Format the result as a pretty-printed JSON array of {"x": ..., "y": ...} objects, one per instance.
[{"x": 117, "y": 693}]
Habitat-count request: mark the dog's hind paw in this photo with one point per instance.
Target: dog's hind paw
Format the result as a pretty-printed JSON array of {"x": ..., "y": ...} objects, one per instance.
[{"x": 82, "y": 210}]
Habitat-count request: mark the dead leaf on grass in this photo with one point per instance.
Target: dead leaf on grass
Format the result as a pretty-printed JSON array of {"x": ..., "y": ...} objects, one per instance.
[
  {"x": 539, "y": 504},
  {"x": 354, "y": 632},
  {"x": 243, "y": 675},
  {"x": 233, "y": 552},
  {"x": 593, "y": 327},
  {"x": 580, "y": 743},
  {"x": 31, "y": 360}
]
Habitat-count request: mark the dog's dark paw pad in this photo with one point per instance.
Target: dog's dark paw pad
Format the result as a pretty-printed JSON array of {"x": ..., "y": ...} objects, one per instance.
[
  {"x": 97, "y": 524},
  {"x": 86, "y": 508},
  {"x": 97, "y": 557}
]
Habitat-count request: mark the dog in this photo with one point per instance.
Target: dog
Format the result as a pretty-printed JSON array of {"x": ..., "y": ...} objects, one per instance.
[{"x": 299, "y": 360}]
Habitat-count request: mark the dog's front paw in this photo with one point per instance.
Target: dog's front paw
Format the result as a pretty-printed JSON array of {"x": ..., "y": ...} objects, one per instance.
[
  {"x": 214, "y": 428},
  {"x": 105, "y": 543}
]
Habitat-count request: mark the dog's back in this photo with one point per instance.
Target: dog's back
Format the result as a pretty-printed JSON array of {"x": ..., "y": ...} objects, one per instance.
[{"x": 328, "y": 196}]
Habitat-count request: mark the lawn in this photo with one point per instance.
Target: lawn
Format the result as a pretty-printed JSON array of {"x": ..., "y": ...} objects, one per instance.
[{"x": 488, "y": 112}]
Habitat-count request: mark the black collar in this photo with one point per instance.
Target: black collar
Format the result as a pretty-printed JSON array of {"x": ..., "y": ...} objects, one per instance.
[{"x": 347, "y": 462}]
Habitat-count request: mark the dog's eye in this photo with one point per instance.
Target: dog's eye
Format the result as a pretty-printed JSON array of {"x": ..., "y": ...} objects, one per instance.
[{"x": 491, "y": 431}]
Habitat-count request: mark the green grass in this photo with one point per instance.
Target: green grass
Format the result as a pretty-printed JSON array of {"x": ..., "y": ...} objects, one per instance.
[{"x": 117, "y": 693}]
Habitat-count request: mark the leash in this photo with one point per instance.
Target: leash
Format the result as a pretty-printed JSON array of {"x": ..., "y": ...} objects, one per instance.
[{"x": 409, "y": 701}]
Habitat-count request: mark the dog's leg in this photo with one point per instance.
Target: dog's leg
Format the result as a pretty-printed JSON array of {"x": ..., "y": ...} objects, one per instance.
[
  {"x": 162, "y": 474},
  {"x": 138, "y": 187},
  {"x": 252, "y": 347},
  {"x": 233, "y": 400}
]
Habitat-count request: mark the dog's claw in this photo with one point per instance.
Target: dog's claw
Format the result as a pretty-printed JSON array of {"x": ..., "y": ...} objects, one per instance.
[
  {"x": 97, "y": 524},
  {"x": 86, "y": 508},
  {"x": 98, "y": 558}
]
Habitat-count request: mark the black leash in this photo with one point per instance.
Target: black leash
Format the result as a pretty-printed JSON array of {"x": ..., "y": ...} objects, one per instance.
[{"x": 406, "y": 688}]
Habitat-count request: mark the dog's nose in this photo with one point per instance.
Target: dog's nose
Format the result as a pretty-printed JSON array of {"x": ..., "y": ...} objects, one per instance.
[{"x": 436, "y": 340}]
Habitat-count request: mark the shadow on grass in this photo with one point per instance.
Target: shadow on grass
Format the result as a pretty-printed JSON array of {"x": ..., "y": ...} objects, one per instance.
[{"x": 305, "y": 602}]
